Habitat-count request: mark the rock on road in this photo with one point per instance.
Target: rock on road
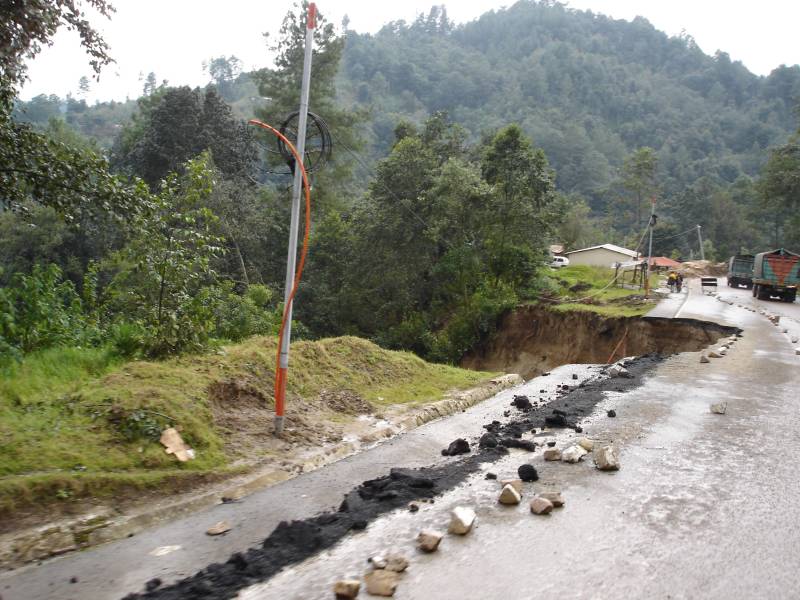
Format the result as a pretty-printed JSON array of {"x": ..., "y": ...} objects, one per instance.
[{"x": 704, "y": 506}]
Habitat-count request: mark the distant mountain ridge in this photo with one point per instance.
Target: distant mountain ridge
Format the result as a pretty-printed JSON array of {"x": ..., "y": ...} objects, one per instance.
[{"x": 588, "y": 88}]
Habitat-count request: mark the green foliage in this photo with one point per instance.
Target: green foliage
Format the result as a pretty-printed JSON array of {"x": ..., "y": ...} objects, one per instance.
[
  {"x": 240, "y": 316},
  {"x": 41, "y": 310},
  {"x": 165, "y": 271}
]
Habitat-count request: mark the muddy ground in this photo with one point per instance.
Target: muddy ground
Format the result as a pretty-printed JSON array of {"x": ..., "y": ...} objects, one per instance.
[
  {"x": 532, "y": 340},
  {"x": 292, "y": 542}
]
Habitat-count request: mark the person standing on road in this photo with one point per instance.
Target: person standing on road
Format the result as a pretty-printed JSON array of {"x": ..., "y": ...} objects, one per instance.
[{"x": 679, "y": 282}]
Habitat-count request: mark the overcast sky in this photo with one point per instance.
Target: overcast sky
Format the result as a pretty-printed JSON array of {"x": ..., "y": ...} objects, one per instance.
[{"x": 173, "y": 37}]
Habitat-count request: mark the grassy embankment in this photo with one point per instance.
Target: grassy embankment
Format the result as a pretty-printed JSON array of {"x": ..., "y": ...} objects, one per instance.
[
  {"x": 75, "y": 423},
  {"x": 586, "y": 288}
]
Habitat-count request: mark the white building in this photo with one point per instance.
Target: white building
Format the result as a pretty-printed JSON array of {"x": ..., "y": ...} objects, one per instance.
[{"x": 605, "y": 255}]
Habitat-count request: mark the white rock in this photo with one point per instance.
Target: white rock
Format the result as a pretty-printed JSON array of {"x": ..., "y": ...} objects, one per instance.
[
  {"x": 428, "y": 540},
  {"x": 606, "y": 458},
  {"x": 515, "y": 483},
  {"x": 461, "y": 520},
  {"x": 784, "y": 330},
  {"x": 586, "y": 444},
  {"x": 381, "y": 583},
  {"x": 378, "y": 561},
  {"x": 552, "y": 454},
  {"x": 219, "y": 528},
  {"x": 797, "y": 350},
  {"x": 719, "y": 408},
  {"x": 509, "y": 495},
  {"x": 722, "y": 351},
  {"x": 344, "y": 589},
  {"x": 573, "y": 454},
  {"x": 541, "y": 506},
  {"x": 554, "y": 497},
  {"x": 396, "y": 562},
  {"x": 704, "y": 359}
]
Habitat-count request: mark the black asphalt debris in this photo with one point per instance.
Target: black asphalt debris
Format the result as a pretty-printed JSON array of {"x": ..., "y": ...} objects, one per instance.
[
  {"x": 612, "y": 413},
  {"x": 294, "y": 541},
  {"x": 522, "y": 403},
  {"x": 527, "y": 472},
  {"x": 459, "y": 446}
]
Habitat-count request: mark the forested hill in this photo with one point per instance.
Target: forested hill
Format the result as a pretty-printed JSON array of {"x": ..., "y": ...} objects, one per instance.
[{"x": 589, "y": 90}]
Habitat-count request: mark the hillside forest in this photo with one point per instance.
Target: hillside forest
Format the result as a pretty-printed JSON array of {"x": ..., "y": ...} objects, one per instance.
[{"x": 158, "y": 226}]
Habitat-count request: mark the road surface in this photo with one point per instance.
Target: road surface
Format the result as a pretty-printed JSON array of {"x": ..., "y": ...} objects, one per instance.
[{"x": 705, "y": 506}]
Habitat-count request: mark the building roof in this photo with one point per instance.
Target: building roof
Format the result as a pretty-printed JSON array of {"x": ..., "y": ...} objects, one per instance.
[
  {"x": 663, "y": 261},
  {"x": 610, "y": 247}
]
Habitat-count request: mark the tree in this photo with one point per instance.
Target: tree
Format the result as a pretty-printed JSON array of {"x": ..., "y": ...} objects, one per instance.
[
  {"x": 639, "y": 179},
  {"x": 165, "y": 270},
  {"x": 522, "y": 203},
  {"x": 223, "y": 72},
  {"x": 83, "y": 86},
  {"x": 150, "y": 84},
  {"x": 282, "y": 86},
  {"x": 177, "y": 125},
  {"x": 28, "y": 25}
]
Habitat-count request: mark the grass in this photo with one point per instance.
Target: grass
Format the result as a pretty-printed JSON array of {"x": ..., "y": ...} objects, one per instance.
[
  {"x": 75, "y": 423},
  {"x": 592, "y": 292}
]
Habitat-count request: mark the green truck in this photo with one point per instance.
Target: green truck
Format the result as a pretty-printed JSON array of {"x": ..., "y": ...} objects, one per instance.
[
  {"x": 740, "y": 270},
  {"x": 776, "y": 274}
]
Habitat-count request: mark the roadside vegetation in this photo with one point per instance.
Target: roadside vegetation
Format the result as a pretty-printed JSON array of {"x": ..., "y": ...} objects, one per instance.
[
  {"x": 78, "y": 422},
  {"x": 592, "y": 289}
]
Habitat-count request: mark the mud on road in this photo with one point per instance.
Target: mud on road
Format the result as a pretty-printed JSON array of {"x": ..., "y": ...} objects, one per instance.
[{"x": 295, "y": 541}]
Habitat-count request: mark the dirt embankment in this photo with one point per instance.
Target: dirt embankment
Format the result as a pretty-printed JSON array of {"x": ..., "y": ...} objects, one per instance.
[{"x": 532, "y": 340}]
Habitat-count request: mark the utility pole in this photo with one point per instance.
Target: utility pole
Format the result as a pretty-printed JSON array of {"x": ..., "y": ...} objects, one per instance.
[
  {"x": 700, "y": 239},
  {"x": 650, "y": 247},
  {"x": 297, "y": 189}
]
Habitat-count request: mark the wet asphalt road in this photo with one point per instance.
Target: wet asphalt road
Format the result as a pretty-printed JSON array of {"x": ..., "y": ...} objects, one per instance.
[{"x": 705, "y": 506}]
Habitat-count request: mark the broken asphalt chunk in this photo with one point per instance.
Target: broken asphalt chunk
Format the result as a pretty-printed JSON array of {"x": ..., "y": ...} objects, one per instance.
[
  {"x": 527, "y": 473},
  {"x": 459, "y": 446}
]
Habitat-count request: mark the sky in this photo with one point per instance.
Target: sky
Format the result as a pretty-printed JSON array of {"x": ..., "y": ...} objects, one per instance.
[{"x": 172, "y": 38}]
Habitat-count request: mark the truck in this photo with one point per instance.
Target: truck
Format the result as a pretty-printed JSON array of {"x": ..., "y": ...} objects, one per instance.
[
  {"x": 740, "y": 270},
  {"x": 776, "y": 274}
]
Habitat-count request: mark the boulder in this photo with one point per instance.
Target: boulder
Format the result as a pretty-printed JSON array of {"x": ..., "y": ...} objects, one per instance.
[
  {"x": 552, "y": 454},
  {"x": 797, "y": 350},
  {"x": 719, "y": 408},
  {"x": 795, "y": 339},
  {"x": 509, "y": 496},
  {"x": 714, "y": 354},
  {"x": 428, "y": 540},
  {"x": 344, "y": 589},
  {"x": 554, "y": 497},
  {"x": 381, "y": 583},
  {"x": 704, "y": 359},
  {"x": 461, "y": 520},
  {"x": 586, "y": 444},
  {"x": 573, "y": 454},
  {"x": 722, "y": 350},
  {"x": 611, "y": 413},
  {"x": 515, "y": 483},
  {"x": 541, "y": 506},
  {"x": 606, "y": 458}
]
